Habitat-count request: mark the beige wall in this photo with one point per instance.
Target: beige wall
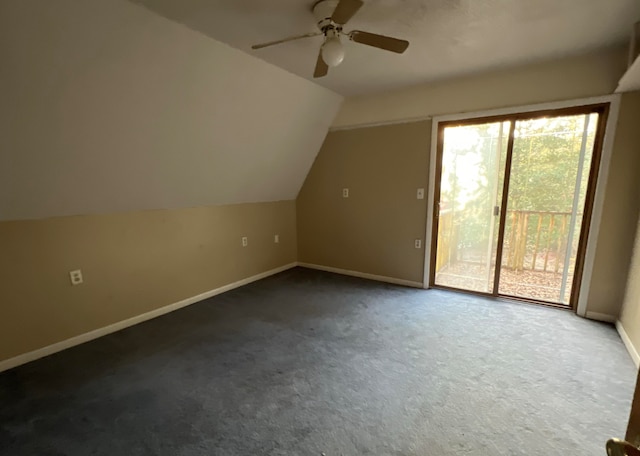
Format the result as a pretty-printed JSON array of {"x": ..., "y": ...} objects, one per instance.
[
  {"x": 619, "y": 214},
  {"x": 565, "y": 79},
  {"x": 630, "y": 315},
  {"x": 629, "y": 201},
  {"x": 132, "y": 263},
  {"x": 111, "y": 109},
  {"x": 373, "y": 230},
  {"x": 153, "y": 132}
]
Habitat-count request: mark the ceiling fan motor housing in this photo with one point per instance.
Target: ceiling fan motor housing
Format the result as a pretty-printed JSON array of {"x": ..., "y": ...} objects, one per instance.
[
  {"x": 331, "y": 15},
  {"x": 323, "y": 10}
]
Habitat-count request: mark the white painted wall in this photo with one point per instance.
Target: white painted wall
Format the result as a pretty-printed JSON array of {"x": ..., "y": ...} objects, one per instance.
[{"x": 107, "y": 107}]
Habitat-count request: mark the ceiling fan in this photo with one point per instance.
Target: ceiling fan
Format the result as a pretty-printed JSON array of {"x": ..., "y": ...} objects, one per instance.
[{"x": 331, "y": 16}]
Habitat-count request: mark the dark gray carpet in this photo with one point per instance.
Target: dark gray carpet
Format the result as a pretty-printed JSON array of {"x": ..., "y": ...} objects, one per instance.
[{"x": 306, "y": 363}]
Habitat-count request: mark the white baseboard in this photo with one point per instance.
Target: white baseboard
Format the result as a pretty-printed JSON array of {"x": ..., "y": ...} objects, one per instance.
[
  {"x": 601, "y": 317},
  {"x": 363, "y": 275},
  {"x": 91, "y": 335},
  {"x": 628, "y": 344}
]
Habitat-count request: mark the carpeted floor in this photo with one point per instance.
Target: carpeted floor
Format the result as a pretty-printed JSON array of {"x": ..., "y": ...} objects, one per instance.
[{"x": 306, "y": 363}]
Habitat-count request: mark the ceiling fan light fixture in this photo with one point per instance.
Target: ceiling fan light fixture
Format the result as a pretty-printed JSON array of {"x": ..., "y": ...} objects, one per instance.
[
  {"x": 333, "y": 51},
  {"x": 331, "y": 17}
]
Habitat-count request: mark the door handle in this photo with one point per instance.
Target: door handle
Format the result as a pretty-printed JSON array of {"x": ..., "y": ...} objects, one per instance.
[{"x": 617, "y": 447}]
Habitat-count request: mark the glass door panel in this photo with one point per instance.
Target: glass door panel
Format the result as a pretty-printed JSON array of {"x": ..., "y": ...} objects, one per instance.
[
  {"x": 470, "y": 191},
  {"x": 549, "y": 174}
]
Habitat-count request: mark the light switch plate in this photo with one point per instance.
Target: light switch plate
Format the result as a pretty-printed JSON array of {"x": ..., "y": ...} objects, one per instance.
[
  {"x": 420, "y": 193},
  {"x": 276, "y": 238}
]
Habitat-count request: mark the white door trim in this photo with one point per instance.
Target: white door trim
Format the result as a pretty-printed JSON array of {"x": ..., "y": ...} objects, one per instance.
[{"x": 603, "y": 173}]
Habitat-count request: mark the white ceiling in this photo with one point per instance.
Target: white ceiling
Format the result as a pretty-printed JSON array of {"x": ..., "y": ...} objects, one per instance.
[{"x": 448, "y": 37}]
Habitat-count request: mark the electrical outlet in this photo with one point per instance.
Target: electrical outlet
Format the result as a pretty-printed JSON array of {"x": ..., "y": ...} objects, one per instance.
[
  {"x": 420, "y": 194},
  {"x": 76, "y": 277},
  {"x": 276, "y": 239},
  {"x": 345, "y": 193},
  {"x": 418, "y": 243},
  {"x": 245, "y": 241}
]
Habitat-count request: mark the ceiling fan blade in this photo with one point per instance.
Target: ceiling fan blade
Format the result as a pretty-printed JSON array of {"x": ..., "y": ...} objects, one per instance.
[
  {"x": 380, "y": 41},
  {"x": 291, "y": 38},
  {"x": 321, "y": 67},
  {"x": 345, "y": 11}
]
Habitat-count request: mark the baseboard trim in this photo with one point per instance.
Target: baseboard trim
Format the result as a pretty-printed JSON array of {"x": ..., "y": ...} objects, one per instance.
[
  {"x": 91, "y": 335},
  {"x": 601, "y": 317},
  {"x": 628, "y": 344},
  {"x": 362, "y": 275}
]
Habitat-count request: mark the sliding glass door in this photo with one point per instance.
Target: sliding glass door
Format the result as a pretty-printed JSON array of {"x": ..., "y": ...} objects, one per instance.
[
  {"x": 516, "y": 192},
  {"x": 547, "y": 191},
  {"x": 473, "y": 159}
]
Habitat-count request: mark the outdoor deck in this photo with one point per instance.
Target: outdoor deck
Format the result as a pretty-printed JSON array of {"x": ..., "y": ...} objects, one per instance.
[
  {"x": 539, "y": 250},
  {"x": 539, "y": 285}
]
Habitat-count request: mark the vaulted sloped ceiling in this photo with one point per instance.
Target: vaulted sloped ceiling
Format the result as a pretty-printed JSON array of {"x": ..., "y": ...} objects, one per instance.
[
  {"x": 110, "y": 107},
  {"x": 449, "y": 38}
]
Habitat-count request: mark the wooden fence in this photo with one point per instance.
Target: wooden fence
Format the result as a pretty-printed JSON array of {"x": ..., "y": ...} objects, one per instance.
[
  {"x": 534, "y": 240},
  {"x": 444, "y": 253}
]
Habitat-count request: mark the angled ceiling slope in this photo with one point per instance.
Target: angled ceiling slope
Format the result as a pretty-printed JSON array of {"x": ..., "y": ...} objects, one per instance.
[
  {"x": 448, "y": 37},
  {"x": 114, "y": 108}
]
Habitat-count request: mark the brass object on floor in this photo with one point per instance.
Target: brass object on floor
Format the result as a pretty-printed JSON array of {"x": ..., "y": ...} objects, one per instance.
[{"x": 616, "y": 447}]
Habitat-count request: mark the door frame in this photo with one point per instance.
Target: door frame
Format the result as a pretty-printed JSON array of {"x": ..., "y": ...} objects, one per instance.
[{"x": 589, "y": 246}]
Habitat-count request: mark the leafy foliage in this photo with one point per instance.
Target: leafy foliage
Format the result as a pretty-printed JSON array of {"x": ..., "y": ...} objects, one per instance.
[
  {"x": 545, "y": 160},
  {"x": 546, "y": 155}
]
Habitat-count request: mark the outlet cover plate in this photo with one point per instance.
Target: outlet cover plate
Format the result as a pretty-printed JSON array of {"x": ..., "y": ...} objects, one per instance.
[{"x": 76, "y": 277}]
